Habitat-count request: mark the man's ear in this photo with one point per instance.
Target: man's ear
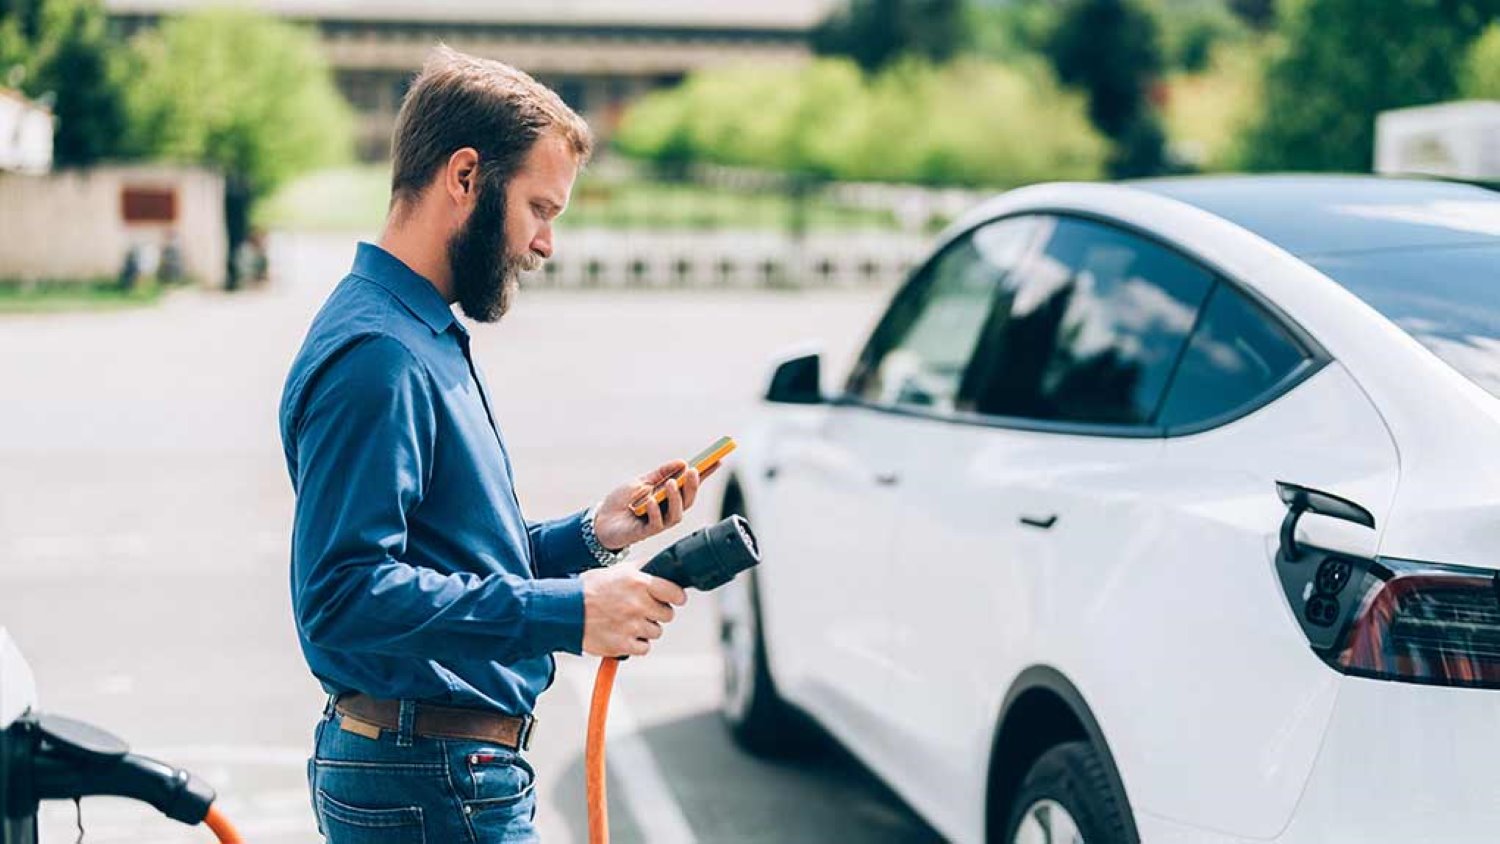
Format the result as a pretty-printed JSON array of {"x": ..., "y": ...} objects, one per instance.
[{"x": 461, "y": 176}]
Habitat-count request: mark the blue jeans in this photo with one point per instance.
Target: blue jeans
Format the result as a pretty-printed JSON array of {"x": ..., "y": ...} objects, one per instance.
[{"x": 402, "y": 788}]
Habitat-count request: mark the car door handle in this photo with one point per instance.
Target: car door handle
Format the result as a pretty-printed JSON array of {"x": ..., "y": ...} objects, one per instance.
[
  {"x": 887, "y": 478},
  {"x": 1044, "y": 524}
]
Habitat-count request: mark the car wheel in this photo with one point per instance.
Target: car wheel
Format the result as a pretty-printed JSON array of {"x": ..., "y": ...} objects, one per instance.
[
  {"x": 1068, "y": 798},
  {"x": 760, "y": 721}
]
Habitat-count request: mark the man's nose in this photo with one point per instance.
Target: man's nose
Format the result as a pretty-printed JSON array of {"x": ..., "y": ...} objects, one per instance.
[{"x": 542, "y": 243}]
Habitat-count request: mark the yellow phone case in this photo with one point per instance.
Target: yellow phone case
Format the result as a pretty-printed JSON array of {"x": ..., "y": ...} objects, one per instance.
[{"x": 702, "y": 461}]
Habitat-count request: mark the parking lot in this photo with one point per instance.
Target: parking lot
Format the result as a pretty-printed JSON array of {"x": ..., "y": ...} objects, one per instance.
[{"x": 145, "y": 514}]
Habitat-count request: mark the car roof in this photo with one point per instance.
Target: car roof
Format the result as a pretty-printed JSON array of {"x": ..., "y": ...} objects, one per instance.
[{"x": 1311, "y": 215}]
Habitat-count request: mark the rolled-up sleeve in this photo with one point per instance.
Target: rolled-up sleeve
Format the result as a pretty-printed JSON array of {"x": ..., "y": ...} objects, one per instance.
[{"x": 365, "y": 444}]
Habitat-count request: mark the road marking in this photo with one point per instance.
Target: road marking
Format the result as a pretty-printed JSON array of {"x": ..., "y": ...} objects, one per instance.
[{"x": 645, "y": 790}]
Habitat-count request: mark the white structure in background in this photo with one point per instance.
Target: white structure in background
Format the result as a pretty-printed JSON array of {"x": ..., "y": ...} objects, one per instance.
[
  {"x": 80, "y": 224},
  {"x": 25, "y": 134},
  {"x": 1453, "y": 140}
]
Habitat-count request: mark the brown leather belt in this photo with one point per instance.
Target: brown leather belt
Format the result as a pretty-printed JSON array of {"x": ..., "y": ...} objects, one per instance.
[{"x": 433, "y": 721}]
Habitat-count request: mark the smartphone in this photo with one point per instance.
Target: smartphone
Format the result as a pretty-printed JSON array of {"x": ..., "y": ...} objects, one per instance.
[{"x": 702, "y": 461}]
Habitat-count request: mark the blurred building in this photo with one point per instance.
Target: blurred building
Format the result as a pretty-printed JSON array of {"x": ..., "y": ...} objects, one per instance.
[
  {"x": 1458, "y": 140},
  {"x": 598, "y": 54},
  {"x": 25, "y": 134}
]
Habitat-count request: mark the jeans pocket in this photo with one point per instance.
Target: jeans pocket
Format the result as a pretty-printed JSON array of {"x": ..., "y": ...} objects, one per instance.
[
  {"x": 345, "y": 824},
  {"x": 497, "y": 778}
]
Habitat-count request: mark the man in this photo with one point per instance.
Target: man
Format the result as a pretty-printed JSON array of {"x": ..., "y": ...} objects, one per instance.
[{"x": 426, "y": 605}]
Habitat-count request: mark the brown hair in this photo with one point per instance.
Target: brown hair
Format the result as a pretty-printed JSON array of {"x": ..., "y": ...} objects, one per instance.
[{"x": 461, "y": 101}]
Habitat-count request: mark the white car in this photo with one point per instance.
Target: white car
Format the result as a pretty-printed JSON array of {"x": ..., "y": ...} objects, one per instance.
[{"x": 1163, "y": 511}]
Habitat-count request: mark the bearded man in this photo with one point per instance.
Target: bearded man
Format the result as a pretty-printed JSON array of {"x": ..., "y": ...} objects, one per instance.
[{"x": 426, "y": 605}]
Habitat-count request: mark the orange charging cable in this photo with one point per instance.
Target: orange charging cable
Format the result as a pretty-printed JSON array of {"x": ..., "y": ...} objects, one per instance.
[
  {"x": 221, "y": 827},
  {"x": 593, "y": 754}
]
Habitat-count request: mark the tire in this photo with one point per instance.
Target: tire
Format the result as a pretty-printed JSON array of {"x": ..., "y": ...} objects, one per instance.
[
  {"x": 1069, "y": 797},
  {"x": 759, "y": 720}
]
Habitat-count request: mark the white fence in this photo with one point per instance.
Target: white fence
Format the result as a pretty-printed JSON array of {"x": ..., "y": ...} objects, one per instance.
[{"x": 732, "y": 259}]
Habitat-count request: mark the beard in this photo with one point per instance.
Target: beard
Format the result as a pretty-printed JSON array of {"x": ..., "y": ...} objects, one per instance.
[{"x": 485, "y": 277}]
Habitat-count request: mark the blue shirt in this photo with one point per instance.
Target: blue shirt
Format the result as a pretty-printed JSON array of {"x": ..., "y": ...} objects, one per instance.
[{"x": 414, "y": 573}]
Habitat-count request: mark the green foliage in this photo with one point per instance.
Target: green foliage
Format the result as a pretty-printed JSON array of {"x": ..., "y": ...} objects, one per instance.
[
  {"x": 1010, "y": 31},
  {"x": 1340, "y": 62},
  {"x": 65, "y": 57},
  {"x": 1192, "y": 29},
  {"x": 1206, "y": 112},
  {"x": 1111, "y": 49},
  {"x": 240, "y": 91},
  {"x": 876, "y": 33},
  {"x": 1480, "y": 77},
  {"x": 970, "y": 122},
  {"x": 1259, "y": 14}
]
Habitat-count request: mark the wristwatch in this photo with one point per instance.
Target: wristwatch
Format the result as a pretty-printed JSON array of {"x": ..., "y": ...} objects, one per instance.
[{"x": 605, "y": 556}]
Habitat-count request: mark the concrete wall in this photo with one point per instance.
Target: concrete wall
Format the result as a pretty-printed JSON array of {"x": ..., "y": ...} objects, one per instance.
[{"x": 71, "y": 224}]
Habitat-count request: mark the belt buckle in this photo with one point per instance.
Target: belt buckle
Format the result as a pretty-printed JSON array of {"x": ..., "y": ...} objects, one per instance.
[{"x": 528, "y": 726}]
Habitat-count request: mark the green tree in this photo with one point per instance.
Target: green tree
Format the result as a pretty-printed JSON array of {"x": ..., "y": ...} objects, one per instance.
[
  {"x": 1111, "y": 50},
  {"x": 1260, "y": 14},
  {"x": 1010, "y": 30},
  {"x": 875, "y": 33},
  {"x": 76, "y": 66},
  {"x": 969, "y": 122},
  {"x": 1480, "y": 78},
  {"x": 26, "y": 14},
  {"x": 240, "y": 91},
  {"x": 1343, "y": 61}
]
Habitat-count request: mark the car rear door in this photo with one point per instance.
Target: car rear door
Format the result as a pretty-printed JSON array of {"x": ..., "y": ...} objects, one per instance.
[{"x": 1016, "y": 526}]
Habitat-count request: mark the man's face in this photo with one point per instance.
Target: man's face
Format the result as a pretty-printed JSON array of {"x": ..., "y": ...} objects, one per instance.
[{"x": 510, "y": 229}]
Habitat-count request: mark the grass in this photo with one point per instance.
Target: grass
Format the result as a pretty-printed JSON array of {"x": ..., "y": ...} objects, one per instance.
[
  {"x": 354, "y": 199},
  {"x": 18, "y": 297}
]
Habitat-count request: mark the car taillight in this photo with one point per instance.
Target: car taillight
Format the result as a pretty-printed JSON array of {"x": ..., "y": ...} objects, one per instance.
[{"x": 1424, "y": 623}]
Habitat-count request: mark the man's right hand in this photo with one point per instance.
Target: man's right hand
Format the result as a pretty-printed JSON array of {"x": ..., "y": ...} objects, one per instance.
[{"x": 624, "y": 610}]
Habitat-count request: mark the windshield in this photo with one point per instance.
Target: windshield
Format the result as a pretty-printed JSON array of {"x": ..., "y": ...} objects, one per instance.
[{"x": 1448, "y": 299}]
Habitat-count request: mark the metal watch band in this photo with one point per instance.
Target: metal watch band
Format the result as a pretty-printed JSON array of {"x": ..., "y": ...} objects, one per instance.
[{"x": 603, "y": 555}]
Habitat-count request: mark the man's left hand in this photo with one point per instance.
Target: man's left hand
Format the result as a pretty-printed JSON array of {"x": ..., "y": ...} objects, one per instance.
[{"x": 617, "y": 526}]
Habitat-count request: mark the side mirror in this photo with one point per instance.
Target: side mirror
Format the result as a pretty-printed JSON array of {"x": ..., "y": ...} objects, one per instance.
[{"x": 797, "y": 381}]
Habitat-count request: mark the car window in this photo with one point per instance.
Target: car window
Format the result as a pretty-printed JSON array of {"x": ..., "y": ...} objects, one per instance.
[
  {"x": 1236, "y": 355},
  {"x": 1092, "y": 331},
  {"x": 918, "y": 354},
  {"x": 1447, "y": 299}
]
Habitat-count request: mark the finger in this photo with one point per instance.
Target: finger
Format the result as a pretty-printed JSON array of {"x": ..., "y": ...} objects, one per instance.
[
  {"x": 649, "y": 630},
  {"x": 654, "y": 523},
  {"x": 666, "y": 591},
  {"x": 639, "y": 647},
  {"x": 661, "y": 613},
  {"x": 674, "y": 503},
  {"x": 666, "y": 470},
  {"x": 689, "y": 488}
]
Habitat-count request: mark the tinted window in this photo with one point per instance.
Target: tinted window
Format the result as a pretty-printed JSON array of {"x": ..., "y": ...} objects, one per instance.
[
  {"x": 1091, "y": 331},
  {"x": 918, "y": 354},
  {"x": 1448, "y": 299},
  {"x": 1236, "y": 355}
]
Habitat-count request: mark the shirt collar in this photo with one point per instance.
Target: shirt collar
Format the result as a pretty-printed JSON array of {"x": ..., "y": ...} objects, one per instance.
[{"x": 412, "y": 290}]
